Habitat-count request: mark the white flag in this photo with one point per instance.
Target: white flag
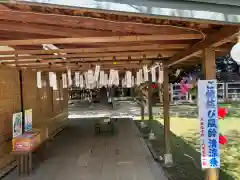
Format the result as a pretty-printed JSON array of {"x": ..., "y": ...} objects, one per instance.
[
  {"x": 77, "y": 80},
  {"x": 145, "y": 73},
  {"x": 69, "y": 77},
  {"x": 64, "y": 80},
  {"x": 153, "y": 72},
  {"x": 39, "y": 80}
]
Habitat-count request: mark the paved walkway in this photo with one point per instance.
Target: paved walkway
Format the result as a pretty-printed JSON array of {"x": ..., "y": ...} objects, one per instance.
[{"x": 76, "y": 154}]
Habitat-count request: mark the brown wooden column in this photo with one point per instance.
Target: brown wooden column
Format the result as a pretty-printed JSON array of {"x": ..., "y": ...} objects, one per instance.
[
  {"x": 209, "y": 64},
  {"x": 209, "y": 69},
  {"x": 166, "y": 115},
  {"x": 150, "y": 114}
]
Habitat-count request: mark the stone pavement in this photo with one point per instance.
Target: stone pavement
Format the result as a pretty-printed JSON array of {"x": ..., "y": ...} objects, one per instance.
[{"x": 77, "y": 154}]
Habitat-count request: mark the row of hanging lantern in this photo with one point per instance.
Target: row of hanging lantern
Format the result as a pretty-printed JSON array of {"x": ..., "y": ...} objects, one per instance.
[{"x": 98, "y": 78}]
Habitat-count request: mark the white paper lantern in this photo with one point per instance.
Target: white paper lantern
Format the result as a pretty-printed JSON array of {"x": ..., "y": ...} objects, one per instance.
[{"x": 235, "y": 53}]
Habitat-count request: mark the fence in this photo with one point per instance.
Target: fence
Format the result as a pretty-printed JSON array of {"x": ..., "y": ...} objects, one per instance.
[{"x": 227, "y": 92}]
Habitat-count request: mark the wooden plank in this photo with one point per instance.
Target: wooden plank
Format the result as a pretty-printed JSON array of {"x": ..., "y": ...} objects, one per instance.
[
  {"x": 102, "y": 39},
  {"x": 103, "y": 59},
  {"x": 136, "y": 61},
  {"x": 214, "y": 40},
  {"x": 128, "y": 24},
  {"x": 101, "y": 49},
  {"x": 209, "y": 69},
  {"x": 96, "y": 55},
  {"x": 31, "y": 28},
  {"x": 84, "y": 67},
  {"x": 166, "y": 109}
]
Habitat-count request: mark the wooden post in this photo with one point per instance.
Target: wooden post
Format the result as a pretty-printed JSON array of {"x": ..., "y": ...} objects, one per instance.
[
  {"x": 209, "y": 69},
  {"x": 166, "y": 107},
  {"x": 150, "y": 114},
  {"x": 142, "y": 108}
]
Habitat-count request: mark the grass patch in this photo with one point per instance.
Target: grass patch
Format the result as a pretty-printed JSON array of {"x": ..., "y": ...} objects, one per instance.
[{"x": 186, "y": 152}]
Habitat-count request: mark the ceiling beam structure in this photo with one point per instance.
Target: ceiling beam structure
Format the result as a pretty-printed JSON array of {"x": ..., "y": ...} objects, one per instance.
[
  {"x": 214, "y": 40},
  {"x": 119, "y": 42},
  {"x": 113, "y": 39}
]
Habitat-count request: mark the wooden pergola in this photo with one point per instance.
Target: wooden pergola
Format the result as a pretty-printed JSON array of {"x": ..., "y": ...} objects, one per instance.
[
  {"x": 87, "y": 37},
  {"x": 115, "y": 40}
]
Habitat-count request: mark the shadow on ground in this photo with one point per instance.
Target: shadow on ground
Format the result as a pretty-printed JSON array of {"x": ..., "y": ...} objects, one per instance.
[{"x": 186, "y": 154}]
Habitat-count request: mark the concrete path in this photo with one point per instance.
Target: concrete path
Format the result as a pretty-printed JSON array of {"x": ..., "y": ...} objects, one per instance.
[{"x": 77, "y": 154}]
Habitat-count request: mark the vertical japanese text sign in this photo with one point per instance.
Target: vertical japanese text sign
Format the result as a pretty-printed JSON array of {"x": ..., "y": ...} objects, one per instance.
[{"x": 208, "y": 116}]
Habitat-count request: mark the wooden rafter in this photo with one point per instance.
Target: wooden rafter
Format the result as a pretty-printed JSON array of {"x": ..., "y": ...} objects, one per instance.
[
  {"x": 84, "y": 67},
  {"x": 95, "y": 55},
  {"x": 113, "y": 63},
  {"x": 54, "y": 30},
  {"x": 103, "y": 59},
  {"x": 101, "y": 49},
  {"x": 91, "y": 23},
  {"x": 214, "y": 40},
  {"x": 86, "y": 40}
]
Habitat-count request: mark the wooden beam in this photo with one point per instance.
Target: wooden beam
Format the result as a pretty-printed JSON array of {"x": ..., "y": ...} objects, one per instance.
[
  {"x": 122, "y": 62},
  {"x": 54, "y": 30},
  {"x": 101, "y": 49},
  {"x": 209, "y": 69},
  {"x": 214, "y": 40},
  {"x": 96, "y": 55},
  {"x": 85, "y": 67},
  {"x": 87, "y": 60},
  {"x": 87, "y": 40},
  {"x": 89, "y": 23},
  {"x": 166, "y": 117}
]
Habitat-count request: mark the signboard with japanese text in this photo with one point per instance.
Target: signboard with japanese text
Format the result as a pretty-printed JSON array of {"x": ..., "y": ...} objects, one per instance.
[{"x": 208, "y": 116}]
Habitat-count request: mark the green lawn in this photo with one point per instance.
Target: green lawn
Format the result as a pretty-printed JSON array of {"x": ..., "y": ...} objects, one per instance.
[{"x": 185, "y": 147}]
